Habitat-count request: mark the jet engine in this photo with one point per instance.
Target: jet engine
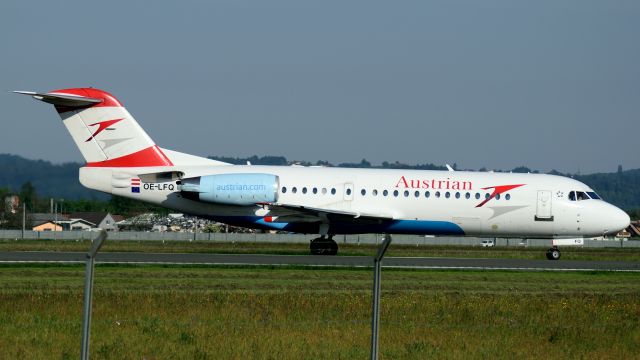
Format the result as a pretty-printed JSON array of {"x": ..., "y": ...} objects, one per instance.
[{"x": 231, "y": 189}]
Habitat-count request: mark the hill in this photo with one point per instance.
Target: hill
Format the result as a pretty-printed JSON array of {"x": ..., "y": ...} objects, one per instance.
[{"x": 49, "y": 180}]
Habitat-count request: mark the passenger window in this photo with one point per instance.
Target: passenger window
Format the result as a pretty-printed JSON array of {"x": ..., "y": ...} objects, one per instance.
[
  {"x": 284, "y": 189},
  {"x": 507, "y": 197},
  {"x": 315, "y": 190},
  {"x": 417, "y": 194},
  {"x": 467, "y": 196},
  {"x": 427, "y": 194},
  {"x": 385, "y": 193},
  {"x": 497, "y": 196},
  {"x": 478, "y": 196},
  {"x": 486, "y": 196},
  {"x": 457, "y": 195},
  {"x": 447, "y": 194},
  {"x": 333, "y": 191},
  {"x": 395, "y": 193},
  {"x": 375, "y": 192},
  {"x": 304, "y": 190},
  {"x": 324, "y": 191},
  {"x": 406, "y": 193},
  {"x": 363, "y": 192},
  {"x": 348, "y": 191},
  {"x": 294, "y": 190},
  {"x": 437, "y": 194}
]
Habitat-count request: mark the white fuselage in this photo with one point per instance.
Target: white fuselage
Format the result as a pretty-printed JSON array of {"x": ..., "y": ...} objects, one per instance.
[{"x": 417, "y": 201}]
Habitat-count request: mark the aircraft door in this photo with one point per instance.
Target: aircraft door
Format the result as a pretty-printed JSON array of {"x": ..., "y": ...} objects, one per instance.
[{"x": 543, "y": 208}]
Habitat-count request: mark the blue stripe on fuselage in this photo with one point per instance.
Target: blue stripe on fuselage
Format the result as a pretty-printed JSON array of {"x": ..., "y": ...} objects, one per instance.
[{"x": 417, "y": 227}]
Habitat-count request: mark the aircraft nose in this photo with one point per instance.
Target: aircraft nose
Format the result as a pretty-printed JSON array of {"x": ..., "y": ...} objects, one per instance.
[{"x": 617, "y": 221}]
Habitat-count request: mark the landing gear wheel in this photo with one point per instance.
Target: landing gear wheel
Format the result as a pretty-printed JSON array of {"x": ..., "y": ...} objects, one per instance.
[
  {"x": 553, "y": 253},
  {"x": 323, "y": 246}
]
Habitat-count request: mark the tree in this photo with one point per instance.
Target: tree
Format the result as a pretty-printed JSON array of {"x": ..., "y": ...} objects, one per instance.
[
  {"x": 212, "y": 228},
  {"x": 521, "y": 169},
  {"x": 28, "y": 195}
]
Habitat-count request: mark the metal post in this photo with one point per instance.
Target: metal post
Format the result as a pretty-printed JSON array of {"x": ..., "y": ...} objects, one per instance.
[
  {"x": 24, "y": 219},
  {"x": 88, "y": 293},
  {"x": 375, "y": 312}
]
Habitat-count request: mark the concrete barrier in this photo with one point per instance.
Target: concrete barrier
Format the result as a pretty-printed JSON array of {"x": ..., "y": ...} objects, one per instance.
[{"x": 298, "y": 238}]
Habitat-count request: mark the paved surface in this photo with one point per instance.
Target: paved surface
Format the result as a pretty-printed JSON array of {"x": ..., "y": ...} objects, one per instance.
[{"x": 308, "y": 260}]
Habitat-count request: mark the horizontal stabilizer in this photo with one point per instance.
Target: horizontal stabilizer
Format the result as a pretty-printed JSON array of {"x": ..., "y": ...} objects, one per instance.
[{"x": 62, "y": 99}]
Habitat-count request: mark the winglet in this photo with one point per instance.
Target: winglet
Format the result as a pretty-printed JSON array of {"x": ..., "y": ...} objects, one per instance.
[{"x": 449, "y": 167}]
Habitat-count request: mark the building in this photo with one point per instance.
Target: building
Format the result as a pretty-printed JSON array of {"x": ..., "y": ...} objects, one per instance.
[
  {"x": 102, "y": 220},
  {"x": 40, "y": 218},
  {"x": 76, "y": 225},
  {"x": 47, "y": 226}
]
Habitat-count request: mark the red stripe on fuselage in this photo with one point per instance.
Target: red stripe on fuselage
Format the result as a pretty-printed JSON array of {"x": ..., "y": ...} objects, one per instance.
[{"x": 151, "y": 156}]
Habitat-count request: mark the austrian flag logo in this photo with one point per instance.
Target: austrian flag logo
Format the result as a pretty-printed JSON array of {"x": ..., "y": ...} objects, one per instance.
[{"x": 135, "y": 185}]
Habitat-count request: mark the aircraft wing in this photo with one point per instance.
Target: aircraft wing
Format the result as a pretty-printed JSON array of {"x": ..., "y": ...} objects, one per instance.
[{"x": 292, "y": 213}]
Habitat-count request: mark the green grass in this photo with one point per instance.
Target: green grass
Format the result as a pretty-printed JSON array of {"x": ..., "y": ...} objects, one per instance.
[
  {"x": 154, "y": 312},
  {"x": 568, "y": 253}
]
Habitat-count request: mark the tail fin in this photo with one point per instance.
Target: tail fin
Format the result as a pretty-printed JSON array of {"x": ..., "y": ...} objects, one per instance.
[{"x": 104, "y": 131}]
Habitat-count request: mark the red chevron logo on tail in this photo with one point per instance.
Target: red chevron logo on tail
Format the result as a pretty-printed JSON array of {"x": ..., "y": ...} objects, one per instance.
[{"x": 103, "y": 125}]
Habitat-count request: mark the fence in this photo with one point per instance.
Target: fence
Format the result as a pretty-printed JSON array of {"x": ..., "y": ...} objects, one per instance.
[{"x": 296, "y": 238}]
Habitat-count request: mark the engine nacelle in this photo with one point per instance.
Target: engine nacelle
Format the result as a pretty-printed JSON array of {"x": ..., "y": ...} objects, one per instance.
[{"x": 231, "y": 189}]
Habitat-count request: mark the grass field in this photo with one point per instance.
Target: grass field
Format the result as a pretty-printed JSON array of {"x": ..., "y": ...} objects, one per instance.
[
  {"x": 568, "y": 253},
  {"x": 153, "y": 312}
]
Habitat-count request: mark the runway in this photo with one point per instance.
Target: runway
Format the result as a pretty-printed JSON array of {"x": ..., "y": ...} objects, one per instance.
[{"x": 315, "y": 261}]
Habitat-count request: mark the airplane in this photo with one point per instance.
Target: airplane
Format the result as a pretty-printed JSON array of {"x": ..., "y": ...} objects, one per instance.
[{"x": 121, "y": 159}]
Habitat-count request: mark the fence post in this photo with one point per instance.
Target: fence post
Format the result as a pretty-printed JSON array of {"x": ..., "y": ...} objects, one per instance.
[{"x": 88, "y": 294}]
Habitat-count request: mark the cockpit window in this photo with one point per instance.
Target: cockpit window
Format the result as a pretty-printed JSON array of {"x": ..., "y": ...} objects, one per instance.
[
  {"x": 581, "y": 195},
  {"x": 593, "y": 195}
]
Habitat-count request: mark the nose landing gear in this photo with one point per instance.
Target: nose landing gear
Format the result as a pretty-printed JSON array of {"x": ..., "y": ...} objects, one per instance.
[
  {"x": 323, "y": 246},
  {"x": 553, "y": 253}
]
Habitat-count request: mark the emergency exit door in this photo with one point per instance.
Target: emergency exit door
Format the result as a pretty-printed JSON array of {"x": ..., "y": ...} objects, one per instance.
[{"x": 543, "y": 209}]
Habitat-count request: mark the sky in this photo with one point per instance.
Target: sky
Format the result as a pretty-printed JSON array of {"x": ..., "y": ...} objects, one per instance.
[{"x": 549, "y": 84}]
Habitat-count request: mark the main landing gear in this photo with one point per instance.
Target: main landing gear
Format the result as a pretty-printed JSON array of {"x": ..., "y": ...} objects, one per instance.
[
  {"x": 553, "y": 253},
  {"x": 323, "y": 246}
]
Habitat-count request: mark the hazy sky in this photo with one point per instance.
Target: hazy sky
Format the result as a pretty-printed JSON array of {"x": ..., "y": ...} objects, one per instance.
[{"x": 496, "y": 84}]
